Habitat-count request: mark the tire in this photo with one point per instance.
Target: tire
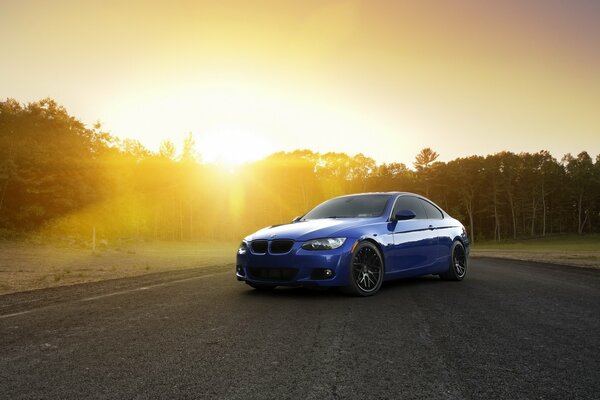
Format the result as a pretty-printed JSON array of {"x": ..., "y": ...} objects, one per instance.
[
  {"x": 366, "y": 270},
  {"x": 261, "y": 287},
  {"x": 459, "y": 262}
]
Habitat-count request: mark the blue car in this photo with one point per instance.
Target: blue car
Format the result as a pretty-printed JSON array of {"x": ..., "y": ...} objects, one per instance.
[{"x": 357, "y": 242}]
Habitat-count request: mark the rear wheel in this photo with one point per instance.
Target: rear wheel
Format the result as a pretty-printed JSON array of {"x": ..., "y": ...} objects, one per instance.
[
  {"x": 366, "y": 270},
  {"x": 261, "y": 287},
  {"x": 458, "y": 263}
]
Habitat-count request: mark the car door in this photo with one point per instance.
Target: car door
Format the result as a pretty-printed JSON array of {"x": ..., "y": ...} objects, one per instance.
[
  {"x": 414, "y": 240},
  {"x": 435, "y": 220}
]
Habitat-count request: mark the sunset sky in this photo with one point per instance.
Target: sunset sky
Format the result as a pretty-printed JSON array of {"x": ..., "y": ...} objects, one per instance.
[{"x": 385, "y": 78}]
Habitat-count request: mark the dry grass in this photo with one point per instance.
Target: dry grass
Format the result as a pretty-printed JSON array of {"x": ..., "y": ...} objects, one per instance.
[
  {"x": 25, "y": 266},
  {"x": 574, "y": 250}
]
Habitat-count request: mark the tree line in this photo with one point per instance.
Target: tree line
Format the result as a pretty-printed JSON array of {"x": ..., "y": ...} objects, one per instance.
[{"x": 59, "y": 178}]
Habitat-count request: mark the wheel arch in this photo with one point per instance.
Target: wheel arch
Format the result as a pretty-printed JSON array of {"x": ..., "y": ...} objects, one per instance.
[
  {"x": 457, "y": 238},
  {"x": 378, "y": 246},
  {"x": 464, "y": 241}
]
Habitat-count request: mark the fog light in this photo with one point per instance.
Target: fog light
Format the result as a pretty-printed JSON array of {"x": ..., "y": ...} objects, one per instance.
[
  {"x": 240, "y": 270},
  {"x": 321, "y": 273}
]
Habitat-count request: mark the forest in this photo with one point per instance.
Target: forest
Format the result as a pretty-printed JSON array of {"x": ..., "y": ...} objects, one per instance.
[{"x": 62, "y": 180}]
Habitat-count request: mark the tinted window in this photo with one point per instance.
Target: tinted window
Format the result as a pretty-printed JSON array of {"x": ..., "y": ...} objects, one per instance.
[
  {"x": 361, "y": 206},
  {"x": 432, "y": 211},
  {"x": 410, "y": 203}
]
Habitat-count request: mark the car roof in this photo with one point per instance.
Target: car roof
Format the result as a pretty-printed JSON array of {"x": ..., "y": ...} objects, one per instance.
[
  {"x": 390, "y": 193},
  {"x": 397, "y": 194}
]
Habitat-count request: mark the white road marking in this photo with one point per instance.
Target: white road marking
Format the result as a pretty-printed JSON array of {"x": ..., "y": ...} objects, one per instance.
[
  {"x": 151, "y": 286},
  {"x": 15, "y": 314},
  {"x": 118, "y": 293}
]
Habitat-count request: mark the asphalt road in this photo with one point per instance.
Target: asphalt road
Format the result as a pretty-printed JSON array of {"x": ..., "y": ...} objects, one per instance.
[{"x": 511, "y": 330}]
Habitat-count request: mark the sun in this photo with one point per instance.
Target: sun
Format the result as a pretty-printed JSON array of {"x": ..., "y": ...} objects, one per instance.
[{"x": 231, "y": 147}]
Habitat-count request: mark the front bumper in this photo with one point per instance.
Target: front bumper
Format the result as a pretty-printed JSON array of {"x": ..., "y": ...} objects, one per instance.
[{"x": 298, "y": 267}]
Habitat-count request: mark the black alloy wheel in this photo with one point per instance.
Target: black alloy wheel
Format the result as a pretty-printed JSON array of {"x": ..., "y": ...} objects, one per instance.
[
  {"x": 458, "y": 263},
  {"x": 366, "y": 270}
]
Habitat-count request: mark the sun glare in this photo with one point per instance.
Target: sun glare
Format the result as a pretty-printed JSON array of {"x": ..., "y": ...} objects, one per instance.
[{"x": 231, "y": 148}]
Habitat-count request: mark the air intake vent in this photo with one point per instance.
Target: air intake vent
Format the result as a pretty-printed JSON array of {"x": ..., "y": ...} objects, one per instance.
[
  {"x": 281, "y": 246},
  {"x": 259, "y": 246},
  {"x": 274, "y": 274}
]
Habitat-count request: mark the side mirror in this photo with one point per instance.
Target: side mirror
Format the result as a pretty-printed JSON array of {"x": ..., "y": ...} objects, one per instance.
[
  {"x": 298, "y": 218},
  {"x": 404, "y": 215}
]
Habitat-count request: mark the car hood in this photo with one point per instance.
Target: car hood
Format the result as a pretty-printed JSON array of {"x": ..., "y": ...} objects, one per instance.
[{"x": 314, "y": 229}]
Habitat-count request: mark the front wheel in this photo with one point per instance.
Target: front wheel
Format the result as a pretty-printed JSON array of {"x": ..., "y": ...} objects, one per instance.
[
  {"x": 366, "y": 270},
  {"x": 458, "y": 263}
]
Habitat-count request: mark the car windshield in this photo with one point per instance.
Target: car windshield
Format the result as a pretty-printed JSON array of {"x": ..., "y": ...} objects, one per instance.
[{"x": 359, "y": 206}]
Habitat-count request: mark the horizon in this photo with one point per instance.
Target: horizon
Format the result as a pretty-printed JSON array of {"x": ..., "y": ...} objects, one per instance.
[
  {"x": 379, "y": 78},
  {"x": 232, "y": 167}
]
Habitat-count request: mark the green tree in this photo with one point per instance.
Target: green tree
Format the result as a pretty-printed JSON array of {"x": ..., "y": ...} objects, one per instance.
[
  {"x": 422, "y": 163},
  {"x": 50, "y": 163},
  {"x": 425, "y": 158},
  {"x": 167, "y": 150},
  {"x": 188, "y": 152},
  {"x": 466, "y": 176},
  {"x": 580, "y": 170}
]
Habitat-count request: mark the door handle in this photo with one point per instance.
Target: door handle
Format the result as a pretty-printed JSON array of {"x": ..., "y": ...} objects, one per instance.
[{"x": 431, "y": 227}]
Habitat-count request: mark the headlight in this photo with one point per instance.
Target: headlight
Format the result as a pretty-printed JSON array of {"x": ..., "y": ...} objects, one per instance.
[
  {"x": 324, "y": 244},
  {"x": 243, "y": 248}
]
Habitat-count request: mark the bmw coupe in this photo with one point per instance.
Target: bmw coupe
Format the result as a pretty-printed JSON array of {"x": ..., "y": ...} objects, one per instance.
[{"x": 357, "y": 242}]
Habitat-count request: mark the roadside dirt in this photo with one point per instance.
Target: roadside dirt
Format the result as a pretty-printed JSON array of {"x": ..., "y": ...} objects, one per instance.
[
  {"x": 584, "y": 259},
  {"x": 25, "y": 266}
]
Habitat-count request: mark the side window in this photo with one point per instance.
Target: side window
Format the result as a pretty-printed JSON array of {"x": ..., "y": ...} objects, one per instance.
[
  {"x": 410, "y": 203},
  {"x": 432, "y": 211}
]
